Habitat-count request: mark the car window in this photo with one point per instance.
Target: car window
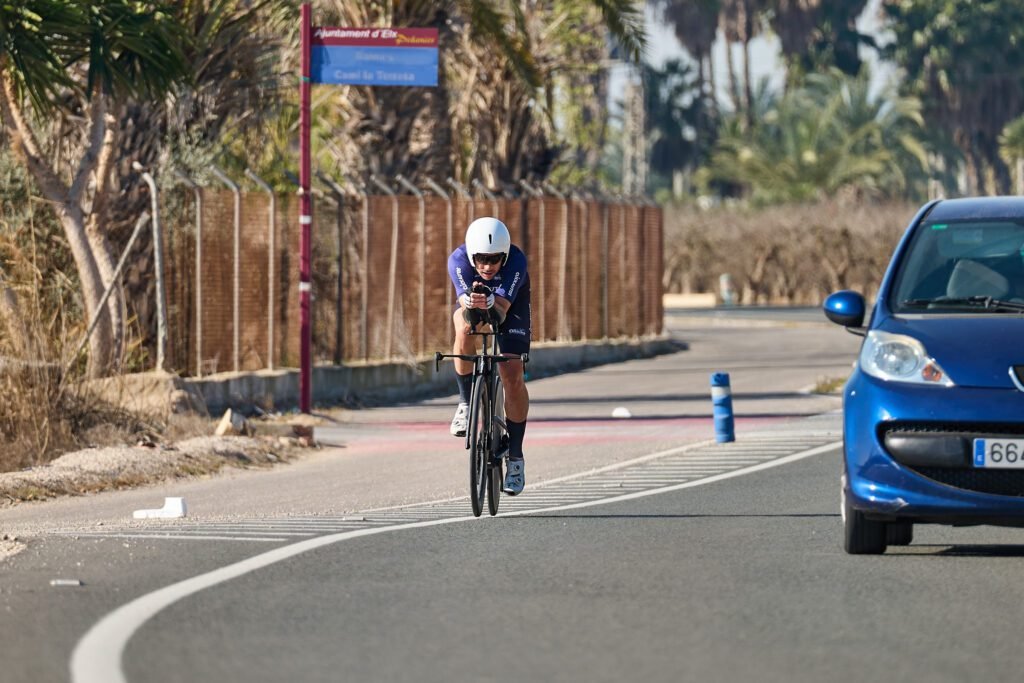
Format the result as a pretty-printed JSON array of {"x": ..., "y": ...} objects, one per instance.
[{"x": 960, "y": 260}]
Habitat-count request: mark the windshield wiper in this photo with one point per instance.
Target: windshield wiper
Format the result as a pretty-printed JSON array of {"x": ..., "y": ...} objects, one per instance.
[{"x": 986, "y": 302}]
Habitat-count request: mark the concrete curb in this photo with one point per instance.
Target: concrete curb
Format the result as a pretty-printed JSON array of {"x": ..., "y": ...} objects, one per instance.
[{"x": 382, "y": 383}]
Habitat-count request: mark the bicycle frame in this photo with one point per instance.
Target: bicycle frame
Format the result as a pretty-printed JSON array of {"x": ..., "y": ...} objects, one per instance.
[
  {"x": 488, "y": 428},
  {"x": 484, "y": 363}
]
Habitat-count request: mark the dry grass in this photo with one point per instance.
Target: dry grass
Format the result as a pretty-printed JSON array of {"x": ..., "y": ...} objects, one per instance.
[
  {"x": 783, "y": 254},
  {"x": 42, "y": 418},
  {"x": 830, "y": 385},
  {"x": 123, "y": 467},
  {"x": 43, "y": 413}
]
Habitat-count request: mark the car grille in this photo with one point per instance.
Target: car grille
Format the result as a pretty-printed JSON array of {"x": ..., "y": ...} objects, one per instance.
[
  {"x": 995, "y": 482},
  {"x": 968, "y": 429}
]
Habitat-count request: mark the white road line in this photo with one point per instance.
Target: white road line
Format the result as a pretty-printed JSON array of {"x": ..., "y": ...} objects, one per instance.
[
  {"x": 538, "y": 495},
  {"x": 700, "y": 459},
  {"x": 536, "y": 498},
  {"x": 251, "y": 525},
  {"x": 636, "y": 479},
  {"x": 97, "y": 656},
  {"x": 643, "y": 471},
  {"x": 226, "y": 529},
  {"x": 183, "y": 537}
]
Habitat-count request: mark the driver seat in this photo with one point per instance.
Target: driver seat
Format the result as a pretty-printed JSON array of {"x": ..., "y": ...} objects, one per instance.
[{"x": 970, "y": 278}]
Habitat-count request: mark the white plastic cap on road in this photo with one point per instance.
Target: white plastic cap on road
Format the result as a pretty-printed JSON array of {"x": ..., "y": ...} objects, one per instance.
[{"x": 173, "y": 508}]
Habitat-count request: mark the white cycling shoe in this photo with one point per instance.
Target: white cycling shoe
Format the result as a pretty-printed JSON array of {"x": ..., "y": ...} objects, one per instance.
[
  {"x": 461, "y": 420},
  {"x": 515, "y": 478}
]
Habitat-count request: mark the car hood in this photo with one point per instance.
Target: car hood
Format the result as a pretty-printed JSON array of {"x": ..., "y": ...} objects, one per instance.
[{"x": 974, "y": 350}]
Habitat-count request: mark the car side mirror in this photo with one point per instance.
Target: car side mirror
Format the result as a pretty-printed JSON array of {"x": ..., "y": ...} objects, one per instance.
[{"x": 846, "y": 308}]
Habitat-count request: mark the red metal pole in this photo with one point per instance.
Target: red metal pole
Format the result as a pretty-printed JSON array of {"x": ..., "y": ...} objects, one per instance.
[{"x": 305, "y": 221}]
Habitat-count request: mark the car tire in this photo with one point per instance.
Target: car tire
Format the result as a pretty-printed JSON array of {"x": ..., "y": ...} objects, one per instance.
[
  {"x": 899, "y": 533},
  {"x": 861, "y": 536}
]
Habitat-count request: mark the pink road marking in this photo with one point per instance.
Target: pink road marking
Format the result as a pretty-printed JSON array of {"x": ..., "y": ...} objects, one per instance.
[{"x": 541, "y": 433}]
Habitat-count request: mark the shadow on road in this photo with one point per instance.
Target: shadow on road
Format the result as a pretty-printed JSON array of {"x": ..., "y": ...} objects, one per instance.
[
  {"x": 841, "y": 361},
  {"x": 702, "y": 397},
  {"x": 794, "y": 515},
  {"x": 673, "y": 417},
  {"x": 972, "y": 550}
]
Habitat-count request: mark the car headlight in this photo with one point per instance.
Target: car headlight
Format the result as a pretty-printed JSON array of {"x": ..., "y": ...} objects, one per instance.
[{"x": 899, "y": 358}]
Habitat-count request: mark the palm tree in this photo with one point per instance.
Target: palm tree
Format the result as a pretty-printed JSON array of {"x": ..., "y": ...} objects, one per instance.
[
  {"x": 1011, "y": 145},
  {"x": 490, "y": 74},
  {"x": 816, "y": 34},
  {"x": 828, "y": 137},
  {"x": 674, "y": 118},
  {"x": 741, "y": 23},
  {"x": 961, "y": 59},
  {"x": 83, "y": 56},
  {"x": 695, "y": 23}
]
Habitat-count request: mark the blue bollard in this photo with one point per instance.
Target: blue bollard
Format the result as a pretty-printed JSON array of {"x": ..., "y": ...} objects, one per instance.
[{"x": 721, "y": 400}]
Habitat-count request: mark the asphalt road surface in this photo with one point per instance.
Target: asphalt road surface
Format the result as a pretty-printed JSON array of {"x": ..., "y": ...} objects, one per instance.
[{"x": 640, "y": 551}]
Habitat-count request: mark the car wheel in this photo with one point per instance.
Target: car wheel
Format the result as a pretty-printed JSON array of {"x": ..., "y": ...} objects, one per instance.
[
  {"x": 899, "y": 533},
  {"x": 861, "y": 536}
]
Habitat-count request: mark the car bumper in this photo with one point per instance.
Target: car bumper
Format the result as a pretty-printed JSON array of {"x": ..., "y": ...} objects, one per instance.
[{"x": 923, "y": 472}]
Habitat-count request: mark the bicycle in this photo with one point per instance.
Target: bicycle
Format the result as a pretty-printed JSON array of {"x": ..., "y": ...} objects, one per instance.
[{"x": 486, "y": 434}]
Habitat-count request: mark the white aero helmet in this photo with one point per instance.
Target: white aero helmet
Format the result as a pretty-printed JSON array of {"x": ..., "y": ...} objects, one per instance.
[{"x": 487, "y": 236}]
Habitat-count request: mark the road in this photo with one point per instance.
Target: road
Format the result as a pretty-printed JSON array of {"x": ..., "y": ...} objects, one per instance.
[{"x": 639, "y": 551}]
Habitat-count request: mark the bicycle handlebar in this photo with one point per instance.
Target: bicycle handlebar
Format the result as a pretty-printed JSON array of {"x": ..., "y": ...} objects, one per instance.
[{"x": 438, "y": 357}]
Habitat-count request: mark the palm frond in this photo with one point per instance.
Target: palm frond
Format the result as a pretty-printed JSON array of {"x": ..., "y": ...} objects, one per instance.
[
  {"x": 134, "y": 48},
  {"x": 489, "y": 23},
  {"x": 38, "y": 40},
  {"x": 625, "y": 21}
]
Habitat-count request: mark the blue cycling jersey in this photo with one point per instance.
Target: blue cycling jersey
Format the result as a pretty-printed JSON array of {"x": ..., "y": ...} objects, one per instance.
[{"x": 508, "y": 283}]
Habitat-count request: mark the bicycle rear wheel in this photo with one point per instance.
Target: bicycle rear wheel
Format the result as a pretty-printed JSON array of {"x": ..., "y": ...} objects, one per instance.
[
  {"x": 479, "y": 449},
  {"x": 497, "y": 442}
]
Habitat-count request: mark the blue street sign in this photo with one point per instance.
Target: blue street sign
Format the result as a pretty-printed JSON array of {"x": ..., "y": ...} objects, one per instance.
[
  {"x": 361, "y": 65},
  {"x": 374, "y": 56}
]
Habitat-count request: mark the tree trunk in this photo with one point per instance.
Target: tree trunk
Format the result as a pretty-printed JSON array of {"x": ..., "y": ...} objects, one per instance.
[
  {"x": 97, "y": 234},
  {"x": 101, "y": 343},
  {"x": 748, "y": 88},
  {"x": 734, "y": 86},
  {"x": 1000, "y": 171},
  {"x": 976, "y": 181},
  {"x": 65, "y": 202},
  {"x": 713, "y": 82}
]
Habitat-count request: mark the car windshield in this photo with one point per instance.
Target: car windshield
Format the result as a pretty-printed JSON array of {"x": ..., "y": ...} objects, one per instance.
[{"x": 962, "y": 266}]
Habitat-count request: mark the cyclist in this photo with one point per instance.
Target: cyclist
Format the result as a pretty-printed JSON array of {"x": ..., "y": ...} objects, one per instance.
[{"x": 488, "y": 257}]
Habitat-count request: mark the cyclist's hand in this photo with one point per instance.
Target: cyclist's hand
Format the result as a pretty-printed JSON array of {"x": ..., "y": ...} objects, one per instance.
[
  {"x": 483, "y": 296},
  {"x": 477, "y": 301}
]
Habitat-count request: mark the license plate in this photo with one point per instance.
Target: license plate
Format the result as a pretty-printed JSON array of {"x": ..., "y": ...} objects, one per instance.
[{"x": 999, "y": 453}]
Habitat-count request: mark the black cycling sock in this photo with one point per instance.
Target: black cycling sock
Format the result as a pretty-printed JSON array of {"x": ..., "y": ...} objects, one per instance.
[
  {"x": 465, "y": 386},
  {"x": 516, "y": 432}
]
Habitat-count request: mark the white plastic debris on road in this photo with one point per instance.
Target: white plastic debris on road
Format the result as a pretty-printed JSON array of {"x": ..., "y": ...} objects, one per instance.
[
  {"x": 622, "y": 411},
  {"x": 173, "y": 509}
]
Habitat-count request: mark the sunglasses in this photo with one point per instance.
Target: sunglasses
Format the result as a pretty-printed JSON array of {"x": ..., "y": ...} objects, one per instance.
[{"x": 488, "y": 259}]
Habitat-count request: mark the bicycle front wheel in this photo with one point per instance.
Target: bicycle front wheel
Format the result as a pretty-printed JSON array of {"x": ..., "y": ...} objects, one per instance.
[
  {"x": 499, "y": 439},
  {"x": 479, "y": 444}
]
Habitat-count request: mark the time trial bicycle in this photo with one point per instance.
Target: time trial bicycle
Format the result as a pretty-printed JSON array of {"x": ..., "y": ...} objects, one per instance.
[{"x": 487, "y": 433}]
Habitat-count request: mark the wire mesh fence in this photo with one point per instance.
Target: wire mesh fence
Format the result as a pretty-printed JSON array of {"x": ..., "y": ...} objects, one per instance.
[{"x": 380, "y": 281}]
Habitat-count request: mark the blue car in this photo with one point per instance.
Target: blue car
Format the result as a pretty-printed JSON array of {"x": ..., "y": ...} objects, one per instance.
[{"x": 933, "y": 414}]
